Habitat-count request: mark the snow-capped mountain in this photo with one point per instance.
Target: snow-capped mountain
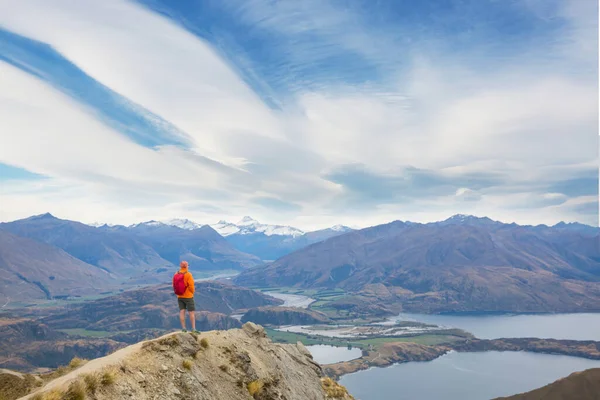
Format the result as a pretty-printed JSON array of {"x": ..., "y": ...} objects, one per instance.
[
  {"x": 183, "y": 223},
  {"x": 248, "y": 225},
  {"x": 146, "y": 223},
  {"x": 100, "y": 224}
]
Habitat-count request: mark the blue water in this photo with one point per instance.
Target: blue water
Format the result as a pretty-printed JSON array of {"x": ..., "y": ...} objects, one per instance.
[
  {"x": 324, "y": 354},
  {"x": 463, "y": 376},
  {"x": 556, "y": 326},
  {"x": 476, "y": 376}
]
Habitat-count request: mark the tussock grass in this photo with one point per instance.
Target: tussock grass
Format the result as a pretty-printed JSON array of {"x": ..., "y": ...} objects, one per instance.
[
  {"x": 170, "y": 341},
  {"x": 187, "y": 364},
  {"x": 333, "y": 389},
  {"x": 76, "y": 362},
  {"x": 54, "y": 394},
  {"x": 92, "y": 381},
  {"x": 204, "y": 343},
  {"x": 108, "y": 377},
  {"x": 255, "y": 387},
  {"x": 77, "y": 391}
]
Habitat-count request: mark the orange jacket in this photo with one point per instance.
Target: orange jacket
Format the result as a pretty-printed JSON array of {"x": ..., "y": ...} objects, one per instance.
[{"x": 189, "y": 284}]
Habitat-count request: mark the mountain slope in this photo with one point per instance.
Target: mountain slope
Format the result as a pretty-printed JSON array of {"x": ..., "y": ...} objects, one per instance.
[
  {"x": 584, "y": 385},
  {"x": 231, "y": 365},
  {"x": 32, "y": 270},
  {"x": 116, "y": 252},
  {"x": 140, "y": 251},
  {"x": 156, "y": 307},
  {"x": 452, "y": 266},
  {"x": 203, "y": 247}
]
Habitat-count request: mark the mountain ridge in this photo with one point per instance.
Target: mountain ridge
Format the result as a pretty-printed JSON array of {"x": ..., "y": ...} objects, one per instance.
[
  {"x": 452, "y": 266},
  {"x": 222, "y": 365}
]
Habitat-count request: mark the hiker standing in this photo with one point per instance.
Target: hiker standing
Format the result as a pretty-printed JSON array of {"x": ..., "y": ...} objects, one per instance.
[{"x": 183, "y": 285}]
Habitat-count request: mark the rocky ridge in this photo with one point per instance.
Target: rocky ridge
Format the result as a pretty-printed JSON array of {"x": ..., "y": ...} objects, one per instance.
[{"x": 235, "y": 364}]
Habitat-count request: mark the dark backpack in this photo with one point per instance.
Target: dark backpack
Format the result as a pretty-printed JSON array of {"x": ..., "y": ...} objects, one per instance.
[{"x": 179, "y": 285}]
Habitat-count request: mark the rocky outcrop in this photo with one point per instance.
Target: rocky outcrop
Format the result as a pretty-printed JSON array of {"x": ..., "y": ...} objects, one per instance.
[
  {"x": 284, "y": 316},
  {"x": 238, "y": 364},
  {"x": 579, "y": 385}
]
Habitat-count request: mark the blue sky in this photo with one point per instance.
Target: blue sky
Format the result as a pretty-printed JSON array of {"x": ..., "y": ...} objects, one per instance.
[{"x": 309, "y": 113}]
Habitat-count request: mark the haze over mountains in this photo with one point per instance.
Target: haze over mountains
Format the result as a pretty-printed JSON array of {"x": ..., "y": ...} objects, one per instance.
[{"x": 462, "y": 264}]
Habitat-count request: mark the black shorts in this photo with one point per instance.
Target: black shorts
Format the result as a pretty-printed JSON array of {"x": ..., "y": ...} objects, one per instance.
[{"x": 186, "y": 304}]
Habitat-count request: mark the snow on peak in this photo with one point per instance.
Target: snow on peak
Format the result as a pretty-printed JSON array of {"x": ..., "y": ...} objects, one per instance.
[
  {"x": 340, "y": 228},
  {"x": 248, "y": 225},
  {"x": 183, "y": 223},
  {"x": 247, "y": 221},
  {"x": 225, "y": 228},
  {"x": 147, "y": 223}
]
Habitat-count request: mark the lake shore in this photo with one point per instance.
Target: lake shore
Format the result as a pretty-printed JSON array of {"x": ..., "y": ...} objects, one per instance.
[{"x": 401, "y": 352}]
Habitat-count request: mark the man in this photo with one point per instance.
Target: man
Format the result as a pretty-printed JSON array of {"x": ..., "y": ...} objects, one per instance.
[{"x": 183, "y": 285}]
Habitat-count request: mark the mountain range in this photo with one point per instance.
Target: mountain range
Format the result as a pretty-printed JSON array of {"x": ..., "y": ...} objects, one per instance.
[
  {"x": 45, "y": 257},
  {"x": 464, "y": 263},
  {"x": 265, "y": 241}
]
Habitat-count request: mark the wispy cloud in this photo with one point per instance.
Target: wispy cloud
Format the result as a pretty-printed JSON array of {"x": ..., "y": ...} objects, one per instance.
[{"x": 209, "y": 110}]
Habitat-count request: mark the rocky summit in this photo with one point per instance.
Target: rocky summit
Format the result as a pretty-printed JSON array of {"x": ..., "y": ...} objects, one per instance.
[{"x": 229, "y": 365}]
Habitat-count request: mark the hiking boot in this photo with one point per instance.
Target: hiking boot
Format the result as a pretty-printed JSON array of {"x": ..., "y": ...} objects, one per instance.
[
  {"x": 195, "y": 331},
  {"x": 184, "y": 330}
]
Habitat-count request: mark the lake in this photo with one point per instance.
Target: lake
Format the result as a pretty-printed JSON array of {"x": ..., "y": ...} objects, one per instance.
[
  {"x": 463, "y": 376},
  {"x": 555, "y": 326},
  {"x": 325, "y": 354}
]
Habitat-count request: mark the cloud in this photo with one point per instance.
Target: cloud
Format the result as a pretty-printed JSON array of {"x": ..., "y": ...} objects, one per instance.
[
  {"x": 118, "y": 112},
  {"x": 276, "y": 205},
  {"x": 366, "y": 187},
  {"x": 158, "y": 109}
]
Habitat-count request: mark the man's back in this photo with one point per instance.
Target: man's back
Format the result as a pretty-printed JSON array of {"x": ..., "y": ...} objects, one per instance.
[{"x": 189, "y": 283}]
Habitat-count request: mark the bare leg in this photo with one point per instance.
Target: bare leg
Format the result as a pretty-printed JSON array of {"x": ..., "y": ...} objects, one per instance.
[
  {"x": 192, "y": 319},
  {"x": 182, "y": 318}
]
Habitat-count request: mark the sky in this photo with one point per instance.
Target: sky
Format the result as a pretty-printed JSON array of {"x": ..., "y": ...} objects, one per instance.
[{"x": 308, "y": 113}]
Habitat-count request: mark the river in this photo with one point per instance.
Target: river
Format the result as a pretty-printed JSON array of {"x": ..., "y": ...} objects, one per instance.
[{"x": 292, "y": 300}]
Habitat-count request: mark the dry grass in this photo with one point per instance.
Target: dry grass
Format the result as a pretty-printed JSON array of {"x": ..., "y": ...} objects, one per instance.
[
  {"x": 204, "y": 343},
  {"x": 76, "y": 362},
  {"x": 54, "y": 394},
  {"x": 108, "y": 377},
  {"x": 187, "y": 364},
  {"x": 92, "y": 381},
  {"x": 77, "y": 391},
  {"x": 255, "y": 387},
  {"x": 170, "y": 341},
  {"x": 334, "y": 390},
  {"x": 14, "y": 387}
]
